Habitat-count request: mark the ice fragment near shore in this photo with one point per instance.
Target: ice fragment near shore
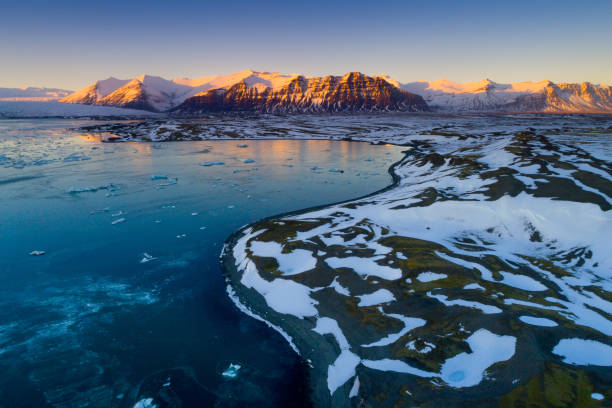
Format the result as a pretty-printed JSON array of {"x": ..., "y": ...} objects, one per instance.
[
  {"x": 212, "y": 163},
  {"x": 118, "y": 221},
  {"x": 247, "y": 161},
  {"x": 159, "y": 176},
  {"x": 37, "y": 253},
  {"x": 145, "y": 403},
  {"x": 231, "y": 372}
]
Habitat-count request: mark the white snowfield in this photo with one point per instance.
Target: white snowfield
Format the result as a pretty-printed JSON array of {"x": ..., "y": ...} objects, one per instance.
[{"x": 532, "y": 236}]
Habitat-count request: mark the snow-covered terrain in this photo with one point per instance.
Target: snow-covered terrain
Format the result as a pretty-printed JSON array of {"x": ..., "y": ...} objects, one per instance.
[
  {"x": 486, "y": 269},
  {"x": 159, "y": 94},
  {"x": 30, "y": 109}
]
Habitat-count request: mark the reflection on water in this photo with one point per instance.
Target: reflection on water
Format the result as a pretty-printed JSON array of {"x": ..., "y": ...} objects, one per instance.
[{"x": 95, "y": 320}]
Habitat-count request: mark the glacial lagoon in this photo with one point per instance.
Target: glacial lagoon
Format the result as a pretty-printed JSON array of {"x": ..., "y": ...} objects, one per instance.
[{"x": 128, "y": 301}]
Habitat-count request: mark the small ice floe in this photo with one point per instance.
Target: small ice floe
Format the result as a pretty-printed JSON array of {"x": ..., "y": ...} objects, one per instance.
[
  {"x": 369, "y": 159},
  {"x": 118, "y": 221},
  {"x": 170, "y": 182},
  {"x": 167, "y": 383},
  {"x": 538, "y": 321},
  {"x": 231, "y": 372},
  {"x": 194, "y": 213},
  {"x": 243, "y": 145},
  {"x": 288, "y": 165},
  {"x": 597, "y": 396},
  {"x": 334, "y": 170},
  {"x": 159, "y": 176},
  {"x": 147, "y": 258},
  {"x": 249, "y": 160},
  {"x": 584, "y": 352},
  {"x": 241, "y": 171},
  {"x": 230, "y": 206},
  {"x": 117, "y": 214},
  {"x": 430, "y": 276},
  {"x": 145, "y": 403},
  {"x": 315, "y": 168},
  {"x": 99, "y": 210},
  {"x": 119, "y": 396},
  {"x": 37, "y": 253},
  {"x": 212, "y": 163},
  {"x": 92, "y": 189},
  {"x": 202, "y": 228},
  {"x": 181, "y": 236}
]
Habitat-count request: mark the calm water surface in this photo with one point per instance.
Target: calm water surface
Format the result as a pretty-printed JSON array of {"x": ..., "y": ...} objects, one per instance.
[{"x": 89, "y": 323}]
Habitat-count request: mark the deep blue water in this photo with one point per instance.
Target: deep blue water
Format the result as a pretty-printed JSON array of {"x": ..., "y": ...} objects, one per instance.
[{"x": 88, "y": 323}]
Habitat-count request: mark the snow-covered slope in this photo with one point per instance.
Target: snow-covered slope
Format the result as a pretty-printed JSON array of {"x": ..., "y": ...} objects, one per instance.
[
  {"x": 486, "y": 95},
  {"x": 353, "y": 92},
  {"x": 32, "y": 94},
  {"x": 290, "y": 91},
  {"x": 158, "y": 94}
]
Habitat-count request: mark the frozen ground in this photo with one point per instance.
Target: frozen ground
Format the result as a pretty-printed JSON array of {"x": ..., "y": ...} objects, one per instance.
[{"x": 496, "y": 237}]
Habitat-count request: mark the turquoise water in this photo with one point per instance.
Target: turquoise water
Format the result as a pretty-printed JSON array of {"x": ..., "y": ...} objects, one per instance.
[{"x": 89, "y": 323}]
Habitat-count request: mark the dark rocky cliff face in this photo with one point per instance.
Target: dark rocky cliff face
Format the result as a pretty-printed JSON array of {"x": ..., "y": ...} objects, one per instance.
[{"x": 352, "y": 92}]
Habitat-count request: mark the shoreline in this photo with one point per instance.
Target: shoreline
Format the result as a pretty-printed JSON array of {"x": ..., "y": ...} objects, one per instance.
[{"x": 258, "y": 309}]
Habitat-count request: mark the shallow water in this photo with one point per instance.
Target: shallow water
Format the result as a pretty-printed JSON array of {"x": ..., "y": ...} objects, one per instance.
[{"x": 89, "y": 323}]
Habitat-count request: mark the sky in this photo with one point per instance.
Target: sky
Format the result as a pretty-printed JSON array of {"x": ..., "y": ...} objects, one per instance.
[{"x": 70, "y": 44}]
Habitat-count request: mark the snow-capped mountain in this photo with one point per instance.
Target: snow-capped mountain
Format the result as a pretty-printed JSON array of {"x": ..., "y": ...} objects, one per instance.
[
  {"x": 351, "y": 92},
  {"x": 32, "y": 94},
  {"x": 486, "y": 95},
  {"x": 276, "y": 92},
  {"x": 158, "y": 94}
]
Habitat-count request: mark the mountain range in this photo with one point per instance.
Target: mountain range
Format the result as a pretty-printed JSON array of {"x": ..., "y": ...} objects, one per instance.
[{"x": 294, "y": 93}]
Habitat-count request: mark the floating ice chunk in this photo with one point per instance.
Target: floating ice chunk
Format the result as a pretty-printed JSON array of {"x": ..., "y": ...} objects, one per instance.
[
  {"x": 522, "y": 282},
  {"x": 473, "y": 286},
  {"x": 334, "y": 170},
  {"x": 315, "y": 168},
  {"x": 430, "y": 276},
  {"x": 242, "y": 145},
  {"x": 467, "y": 369},
  {"x": 288, "y": 165},
  {"x": 212, "y": 163},
  {"x": 597, "y": 396},
  {"x": 293, "y": 263},
  {"x": 147, "y": 258},
  {"x": 247, "y": 161},
  {"x": 145, "y": 403},
  {"x": 584, "y": 352},
  {"x": 159, "y": 176},
  {"x": 355, "y": 388},
  {"x": 538, "y": 321},
  {"x": 118, "y": 221},
  {"x": 170, "y": 182},
  {"x": 194, "y": 213},
  {"x": 486, "y": 309},
  {"x": 117, "y": 214},
  {"x": 231, "y": 206},
  {"x": 397, "y": 366},
  {"x": 92, "y": 189},
  {"x": 37, "y": 253},
  {"x": 231, "y": 371},
  {"x": 181, "y": 236},
  {"x": 376, "y": 298},
  {"x": 365, "y": 267}
]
